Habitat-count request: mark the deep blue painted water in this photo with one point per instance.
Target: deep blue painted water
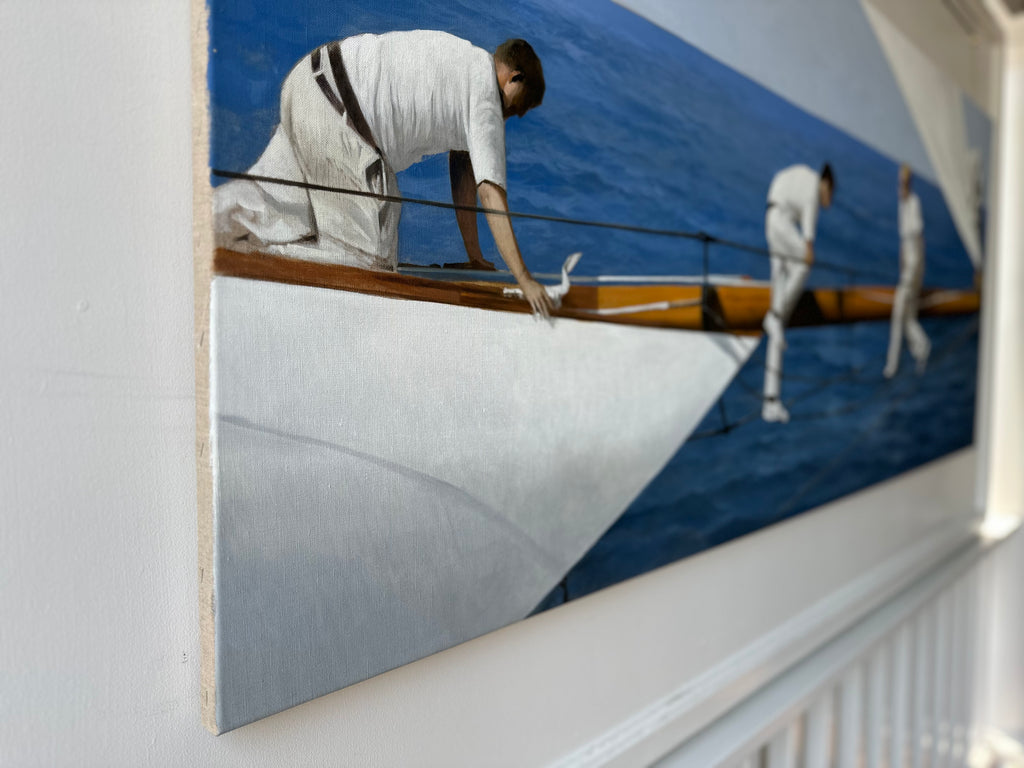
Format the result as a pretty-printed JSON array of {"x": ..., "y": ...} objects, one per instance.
[{"x": 640, "y": 127}]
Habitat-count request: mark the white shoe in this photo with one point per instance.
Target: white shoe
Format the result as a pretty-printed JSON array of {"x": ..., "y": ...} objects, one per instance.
[
  {"x": 773, "y": 327},
  {"x": 890, "y": 370},
  {"x": 773, "y": 410}
]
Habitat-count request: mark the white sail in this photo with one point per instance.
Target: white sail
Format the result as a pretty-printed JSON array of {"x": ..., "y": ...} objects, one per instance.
[
  {"x": 396, "y": 477},
  {"x": 937, "y": 106}
]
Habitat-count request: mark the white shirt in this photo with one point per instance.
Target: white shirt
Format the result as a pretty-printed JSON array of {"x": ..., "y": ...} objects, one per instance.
[
  {"x": 911, "y": 222},
  {"x": 429, "y": 92},
  {"x": 794, "y": 191}
]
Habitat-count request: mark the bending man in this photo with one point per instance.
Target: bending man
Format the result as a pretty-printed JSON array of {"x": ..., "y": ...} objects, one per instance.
[
  {"x": 904, "y": 310},
  {"x": 357, "y": 111},
  {"x": 789, "y": 224}
]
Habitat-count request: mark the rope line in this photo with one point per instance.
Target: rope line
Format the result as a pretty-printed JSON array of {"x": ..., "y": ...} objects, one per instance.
[
  {"x": 699, "y": 236},
  {"x": 678, "y": 233},
  {"x": 726, "y": 428},
  {"x": 708, "y": 312},
  {"x": 826, "y": 383},
  {"x": 790, "y": 504}
]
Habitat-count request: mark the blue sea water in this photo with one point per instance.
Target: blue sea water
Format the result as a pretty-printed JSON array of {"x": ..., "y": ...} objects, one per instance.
[{"x": 640, "y": 127}]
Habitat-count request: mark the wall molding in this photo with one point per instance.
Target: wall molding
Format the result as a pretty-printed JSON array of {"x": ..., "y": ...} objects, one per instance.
[
  {"x": 699, "y": 701},
  {"x": 771, "y": 708}
]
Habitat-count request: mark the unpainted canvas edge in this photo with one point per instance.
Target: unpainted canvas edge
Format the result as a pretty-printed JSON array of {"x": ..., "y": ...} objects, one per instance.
[{"x": 202, "y": 241}]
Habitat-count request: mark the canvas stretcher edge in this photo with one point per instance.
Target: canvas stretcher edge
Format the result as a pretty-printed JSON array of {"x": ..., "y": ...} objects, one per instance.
[{"x": 202, "y": 230}]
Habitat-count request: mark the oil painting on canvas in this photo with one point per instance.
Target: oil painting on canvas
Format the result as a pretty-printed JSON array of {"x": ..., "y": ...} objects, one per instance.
[{"x": 510, "y": 303}]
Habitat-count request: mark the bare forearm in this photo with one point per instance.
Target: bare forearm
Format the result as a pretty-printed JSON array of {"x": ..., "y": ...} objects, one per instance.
[
  {"x": 463, "y": 183},
  {"x": 493, "y": 197}
]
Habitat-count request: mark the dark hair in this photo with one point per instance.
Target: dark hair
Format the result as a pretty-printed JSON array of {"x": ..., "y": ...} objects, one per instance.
[
  {"x": 519, "y": 56},
  {"x": 827, "y": 175}
]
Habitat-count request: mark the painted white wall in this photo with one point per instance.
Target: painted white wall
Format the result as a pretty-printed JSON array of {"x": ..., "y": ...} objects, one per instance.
[
  {"x": 1003, "y": 348},
  {"x": 1002, "y": 443},
  {"x": 1003, "y": 692},
  {"x": 98, "y": 639}
]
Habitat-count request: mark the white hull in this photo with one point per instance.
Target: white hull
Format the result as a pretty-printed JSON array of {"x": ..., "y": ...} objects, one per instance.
[{"x": 395, "y": 477}]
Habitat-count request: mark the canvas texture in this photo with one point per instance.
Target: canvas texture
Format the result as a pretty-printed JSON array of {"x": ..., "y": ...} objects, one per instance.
[{"x": 677, "y": 308}]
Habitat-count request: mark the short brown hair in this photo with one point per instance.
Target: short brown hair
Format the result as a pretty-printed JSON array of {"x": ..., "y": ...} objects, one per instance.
[
  {"x": 828, "y": 175},
  {"x": 518, "y": 55}
]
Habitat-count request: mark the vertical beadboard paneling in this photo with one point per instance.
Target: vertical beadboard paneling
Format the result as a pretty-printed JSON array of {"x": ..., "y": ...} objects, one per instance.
[
  {"x": 851, "y": 719},
  {"x": 899, "y": 703},
  {"x": 877, "y": 714}
]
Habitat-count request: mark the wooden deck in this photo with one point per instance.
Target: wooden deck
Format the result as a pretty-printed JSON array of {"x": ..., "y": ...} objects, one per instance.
[{"x": 734, "y": 309}]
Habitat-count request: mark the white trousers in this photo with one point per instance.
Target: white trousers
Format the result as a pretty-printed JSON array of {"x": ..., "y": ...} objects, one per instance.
[
  {"x": 905, "y": 305},
  {"x": 315, "y": 144},
  {"x": 789, "y": 273}
]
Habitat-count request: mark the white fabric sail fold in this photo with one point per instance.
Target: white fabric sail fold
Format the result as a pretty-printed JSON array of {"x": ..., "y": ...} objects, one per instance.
[{"x": 937, "y": 107}]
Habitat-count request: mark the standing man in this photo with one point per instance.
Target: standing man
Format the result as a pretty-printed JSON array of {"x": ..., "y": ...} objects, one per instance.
[
  {"x": 789, "y": 224},
  {"x": 354, "y": 113},
  {"x": 904, "y": 309}
]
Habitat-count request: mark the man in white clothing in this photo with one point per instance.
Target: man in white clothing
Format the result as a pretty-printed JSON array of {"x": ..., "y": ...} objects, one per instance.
[
  {"x": 904, "y": 310},
  {"x": 790, "y": 220},
  {"x": 354, "y": 113}
]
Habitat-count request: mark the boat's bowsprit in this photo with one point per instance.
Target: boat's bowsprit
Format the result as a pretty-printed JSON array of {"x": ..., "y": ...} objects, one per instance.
[{"x": 730, "y": 305}]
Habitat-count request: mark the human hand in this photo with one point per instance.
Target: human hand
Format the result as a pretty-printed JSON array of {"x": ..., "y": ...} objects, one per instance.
[
  {"x": 809, "y": 254},
  {"x": 537, "y": 297}
]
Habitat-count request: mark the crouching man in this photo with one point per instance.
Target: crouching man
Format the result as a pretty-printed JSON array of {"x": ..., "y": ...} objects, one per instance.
[{"x": 357, "y": 111}]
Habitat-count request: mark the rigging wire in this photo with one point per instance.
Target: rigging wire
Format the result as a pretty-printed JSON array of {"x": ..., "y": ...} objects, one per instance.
[
  {"x": 703, "y": 237},
  {"x": 699, "y": 236},
  {"x": 790, "y": 504},
  {"x": 847, "y": 408},
  {"x": 708, "y": 311}
]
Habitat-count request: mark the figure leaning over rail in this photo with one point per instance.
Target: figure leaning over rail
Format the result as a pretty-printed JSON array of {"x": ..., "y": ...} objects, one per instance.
[
  {"x": 790, "y": 219},
  {"x": 355, "y": 112},
  {"x": 905, "y": 304}
]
